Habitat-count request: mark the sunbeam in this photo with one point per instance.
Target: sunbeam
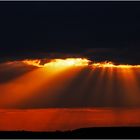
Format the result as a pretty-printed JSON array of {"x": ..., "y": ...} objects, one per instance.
[{"x": 72, "y": 82}]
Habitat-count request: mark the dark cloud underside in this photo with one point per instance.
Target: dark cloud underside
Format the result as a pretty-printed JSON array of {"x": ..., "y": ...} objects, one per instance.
[{"x": 57, "y": 29}]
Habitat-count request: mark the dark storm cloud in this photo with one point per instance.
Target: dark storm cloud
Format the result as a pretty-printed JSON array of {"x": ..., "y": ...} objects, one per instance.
[
  {"x": 58, "y": 29},
  {"x": 116, "y": 55}
]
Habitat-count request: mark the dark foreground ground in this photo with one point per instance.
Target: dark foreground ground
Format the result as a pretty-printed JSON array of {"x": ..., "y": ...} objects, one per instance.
[{"x": 100, "y": 132}]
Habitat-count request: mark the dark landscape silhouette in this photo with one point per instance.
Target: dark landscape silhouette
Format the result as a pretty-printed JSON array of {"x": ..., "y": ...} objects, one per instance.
[{"x": 92, "y": 132}]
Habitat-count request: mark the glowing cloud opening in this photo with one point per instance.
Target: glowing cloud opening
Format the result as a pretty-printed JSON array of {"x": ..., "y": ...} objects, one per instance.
[
  {"x": 59, "y": 62},
  {"x": 70, "y": 62}
]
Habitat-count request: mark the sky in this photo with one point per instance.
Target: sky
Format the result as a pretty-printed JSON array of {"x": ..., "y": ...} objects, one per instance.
[
  {"x": 96, "y": 30},
  {"x": 79, "y": 60},
  {"x": 38, "y": 37}
]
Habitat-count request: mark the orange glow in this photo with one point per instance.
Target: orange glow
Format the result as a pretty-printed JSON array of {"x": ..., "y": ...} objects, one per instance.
[
  {"x": 47, "y": 78},
  {"x": 129, "y": 85},
  {"x": 59, "y": 62},
  {"x": 35, "y": 62},
  {"x": 47, "y": 74},
  {"x": 112, "y": 65},
  {"x": 76, "y": 62},
  {"x": 68, "y": 62}
]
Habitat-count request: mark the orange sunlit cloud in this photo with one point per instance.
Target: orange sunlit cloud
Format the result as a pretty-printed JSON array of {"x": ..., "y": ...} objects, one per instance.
[
  {"x": 77, "y": 62},
  {"x": 112, "y": 65},
  {"x": 59, "y": 62}
]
